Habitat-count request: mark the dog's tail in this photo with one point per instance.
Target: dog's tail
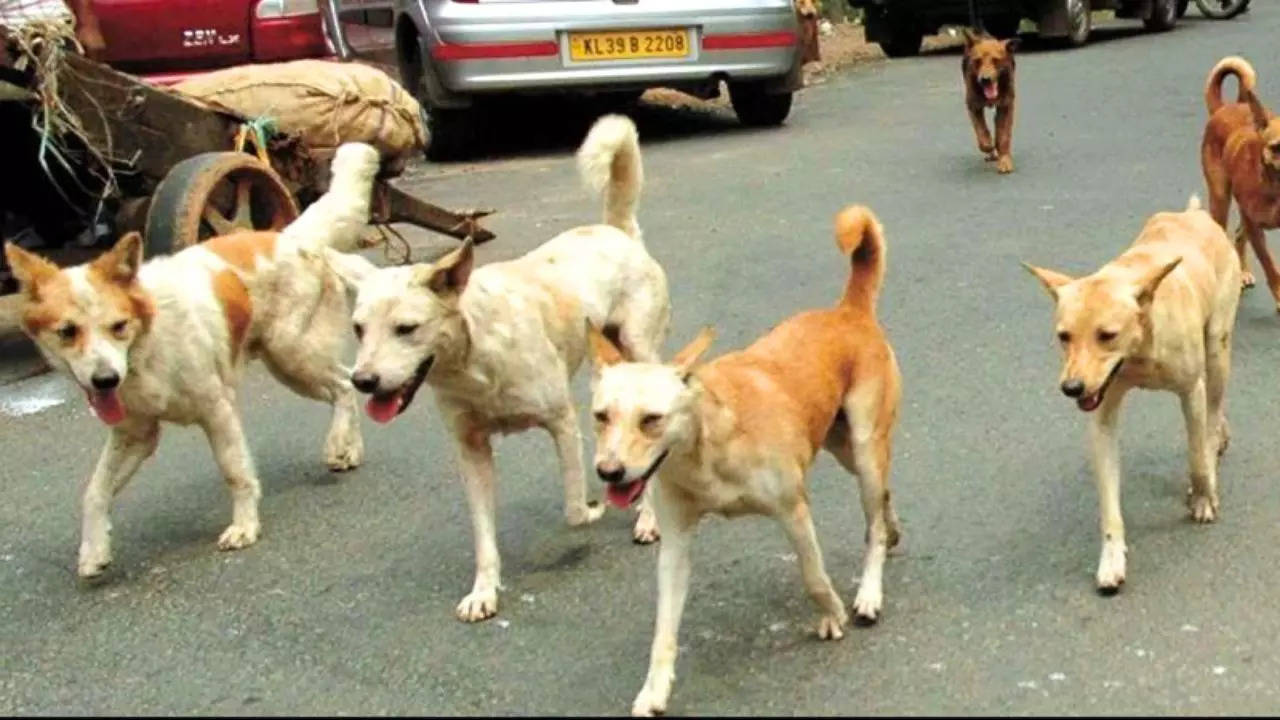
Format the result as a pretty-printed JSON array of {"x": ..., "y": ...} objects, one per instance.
[
  {"x": 609, "y": 161},
  {"x": 860, "y": 237},
  {"x": 1233, "y": 65},
  {"x": 338, "y": 217}
]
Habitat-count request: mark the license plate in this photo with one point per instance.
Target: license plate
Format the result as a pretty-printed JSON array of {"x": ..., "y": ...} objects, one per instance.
[{"x": 629, "y": 45}]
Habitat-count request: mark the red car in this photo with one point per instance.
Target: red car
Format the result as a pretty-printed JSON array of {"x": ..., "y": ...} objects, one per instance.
[{"x": 165, "y": 40}]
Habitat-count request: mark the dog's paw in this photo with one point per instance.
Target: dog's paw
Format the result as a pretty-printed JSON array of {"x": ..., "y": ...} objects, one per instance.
[
  {"x": 653, "y": 697},
  {"x": 831, "y": 627},
  {"x": 584, "y": 514},
  {"x": 866, "y": 606},
  {"x": 236, "y": 537},
  {"x": 1246, "y": 280},
  {"x": 1111, "y": 569},
  {"x": 645, "y": 531},
  {"x": 94, "y": 560},
  {"x": 345, "y": 453},
  {"x": 1204, "y": 509},
  {"x": 1004, "y": 165},
  {"x": 479, "y": 605}
]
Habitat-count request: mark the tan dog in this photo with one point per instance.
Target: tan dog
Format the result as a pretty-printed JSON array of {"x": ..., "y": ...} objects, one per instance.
[
  {"x": 988, "y": 69},
  {"x": 168, "y": 340},
  {"x": 738, "y": 435},
  {"x": 1240, "y": 156},
  {"x": 1159, "y": 317},
  {"x": 500, "y": 345}
]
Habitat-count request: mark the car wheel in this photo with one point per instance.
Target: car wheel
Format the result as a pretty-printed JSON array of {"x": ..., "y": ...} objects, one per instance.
[
  {"x": 1222, "y": 9},
  {"x": 904, "y": 37},
  {"x": 1182, "y": 7},
  {"x": 1164, "y": 15},
  {"x": 1079, "y": 23},
  {"x": 451, "y": 134},
  {"x": 758, "y": 108}
]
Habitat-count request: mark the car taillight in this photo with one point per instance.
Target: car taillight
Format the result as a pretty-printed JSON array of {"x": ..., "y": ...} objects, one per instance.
[{"x": 286, "y": 8}]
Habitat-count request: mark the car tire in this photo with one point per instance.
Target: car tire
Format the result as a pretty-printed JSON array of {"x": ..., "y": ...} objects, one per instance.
[
  {"x": 758, "y": 108},
  {"x": 1079, "y": 23},
  {"x": 1182, "y": 7},
  {"x": 451, "y": 134},
  {"x": 1218, "y": 12},
  {"x": 904, "y": 36},
  {"x": 1164, "y": 15}
]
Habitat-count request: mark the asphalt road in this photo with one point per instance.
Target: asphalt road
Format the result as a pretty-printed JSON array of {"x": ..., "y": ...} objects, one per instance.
[{"x": 346, "y": 604}]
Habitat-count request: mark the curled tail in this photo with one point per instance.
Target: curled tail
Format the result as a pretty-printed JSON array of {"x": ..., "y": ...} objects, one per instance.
[
  {"x": 338, "y": 217},
  {"x": 859, "y": 236},
  {"x": 609, "y": 161},
  {"x": 1232, "y": 65}
]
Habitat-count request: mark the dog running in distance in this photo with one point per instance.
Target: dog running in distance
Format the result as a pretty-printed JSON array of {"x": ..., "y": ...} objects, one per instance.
[
  {"x": 988, "y": 68},
  {"x": 499, "y": 345},
  {"x": 1158, "y": 317},
  {"x": 1240, "y": 157},
  {"x": 737, "y": 436},
  {"x": 167, "y": 341}
]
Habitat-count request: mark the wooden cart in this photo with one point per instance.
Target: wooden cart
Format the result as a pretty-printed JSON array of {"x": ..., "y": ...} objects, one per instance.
[{"x": 183, "y": 172}]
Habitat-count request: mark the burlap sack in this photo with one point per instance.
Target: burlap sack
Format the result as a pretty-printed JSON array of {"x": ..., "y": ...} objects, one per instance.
[{"x": 324, "y": 103}]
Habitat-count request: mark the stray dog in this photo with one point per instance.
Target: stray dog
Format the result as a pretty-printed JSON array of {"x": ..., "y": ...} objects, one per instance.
[
  {"x": 1157, "y": 317},
  {"x": 988, "y": 71},
  {"x": 167, "y": 340},
  {"x": 500, "y": 345},
  {"x": 737, "y": 436},
  {"x": 1240, "y": 156}
]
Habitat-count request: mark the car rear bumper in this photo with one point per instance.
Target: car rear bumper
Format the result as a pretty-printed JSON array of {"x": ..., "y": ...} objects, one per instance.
[{"x": 475, "y": 49}]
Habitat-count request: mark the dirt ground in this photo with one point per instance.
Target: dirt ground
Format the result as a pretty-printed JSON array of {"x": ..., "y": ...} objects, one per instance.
[{"x": 845, "y": 46}]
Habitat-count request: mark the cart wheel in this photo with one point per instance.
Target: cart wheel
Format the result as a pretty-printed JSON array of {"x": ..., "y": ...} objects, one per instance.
[{"x": 216, "y": 193}]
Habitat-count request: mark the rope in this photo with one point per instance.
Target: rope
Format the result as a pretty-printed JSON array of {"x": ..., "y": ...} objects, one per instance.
[{"x": 260, "y": 129}]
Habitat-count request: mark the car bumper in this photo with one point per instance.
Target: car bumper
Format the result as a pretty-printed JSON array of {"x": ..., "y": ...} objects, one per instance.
[{"x": 473, "y": 52}]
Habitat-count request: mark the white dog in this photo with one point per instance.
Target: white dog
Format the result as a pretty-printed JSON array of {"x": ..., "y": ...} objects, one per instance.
[
  {"x": 167, "y": 341},
  {"x": 500, "y": 345}
]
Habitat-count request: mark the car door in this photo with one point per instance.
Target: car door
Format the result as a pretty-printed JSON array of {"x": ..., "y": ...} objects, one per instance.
[{"x": 369, "y": 29}]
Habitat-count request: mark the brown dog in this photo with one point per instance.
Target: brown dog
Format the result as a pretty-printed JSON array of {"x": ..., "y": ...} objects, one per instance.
[
  {"x": 988, "y": 70},
  {"x": 737, "y": 436},
  {"x": 1240, "y": 156}
]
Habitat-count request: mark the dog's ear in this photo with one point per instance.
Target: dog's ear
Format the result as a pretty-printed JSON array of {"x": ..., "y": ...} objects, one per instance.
[
  {"x": 1147, "y": 284},
  {"x": 1050, "y": 279},
  {"x": 1012, "y": 44},
  {"x": 1260, "y": 115},
  {"x": 120, "y": 264},
  {"x": 447, "y": 277},
  {"x": 603, "y": 352},
  {"x": 30, "y": 269},
  {"x": 688, "y": 356}
]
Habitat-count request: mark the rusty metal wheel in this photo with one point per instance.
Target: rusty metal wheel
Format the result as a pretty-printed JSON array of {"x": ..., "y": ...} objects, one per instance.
[{"x": 216, "y": 193}]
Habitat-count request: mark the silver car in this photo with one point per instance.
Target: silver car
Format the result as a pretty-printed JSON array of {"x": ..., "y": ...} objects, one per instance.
[{"x": 452, "y": 52}]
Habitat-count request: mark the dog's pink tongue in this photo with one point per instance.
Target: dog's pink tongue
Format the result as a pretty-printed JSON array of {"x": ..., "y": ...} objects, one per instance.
[
  {"x": 991, "y": 91},
  {"x": 106, "y": 404},
  {"x": 383, "y": 409},
  {"x": 622, "y": 496}
]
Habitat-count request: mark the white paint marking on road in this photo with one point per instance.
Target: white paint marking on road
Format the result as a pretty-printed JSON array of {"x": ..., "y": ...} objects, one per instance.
[
  {"x": 1057, "y": 677},
  {"x": 1190, "y": 628},
  {"x": 1219, "y": 670},
  {"x": 31, "y": 396}
]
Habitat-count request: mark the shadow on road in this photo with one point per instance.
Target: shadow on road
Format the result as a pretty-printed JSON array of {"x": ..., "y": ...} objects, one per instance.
[{"x": 556, "y": 124}]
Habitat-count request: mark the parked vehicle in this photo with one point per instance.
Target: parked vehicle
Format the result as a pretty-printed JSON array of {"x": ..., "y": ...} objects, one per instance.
[
  {"x": 899, "y": 26},
  {"x": 455, "y": 53}
]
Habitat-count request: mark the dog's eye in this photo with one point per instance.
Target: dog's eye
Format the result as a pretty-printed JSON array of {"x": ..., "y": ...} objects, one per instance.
[
  {"x": 602, "y": 417},
  {"x": 359, "y": 331},
  {"x": 1106, "y": 336},
  {"x": 119, "y": 327},
  {"x": 650, "y": 421},
  {"x": 1064, "y": 337},
  {"x": 403, "y": 330},
  {"x": 68, "y": 332}
]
